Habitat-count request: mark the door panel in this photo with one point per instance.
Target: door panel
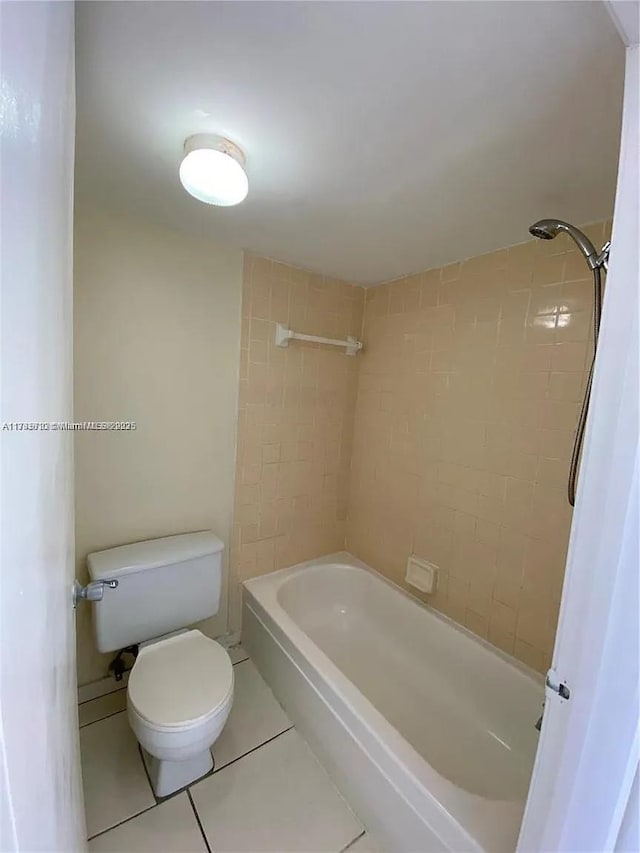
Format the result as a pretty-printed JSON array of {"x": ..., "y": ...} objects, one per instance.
[{"x": 40, "y": 794}]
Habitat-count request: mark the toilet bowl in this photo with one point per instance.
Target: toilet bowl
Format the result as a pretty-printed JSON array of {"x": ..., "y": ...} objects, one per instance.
[{"x": 180, "y": 693}]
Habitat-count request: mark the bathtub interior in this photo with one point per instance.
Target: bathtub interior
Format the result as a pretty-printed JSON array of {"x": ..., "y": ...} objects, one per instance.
[{"x": 466, "y": 710}]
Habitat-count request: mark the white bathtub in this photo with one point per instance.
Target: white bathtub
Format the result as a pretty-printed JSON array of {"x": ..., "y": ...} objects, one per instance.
[{"x": 428, "y": 732}]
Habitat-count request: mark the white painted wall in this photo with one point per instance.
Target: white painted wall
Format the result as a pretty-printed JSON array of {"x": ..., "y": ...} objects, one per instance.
[
  {"x": 40, "y": 794},
  {"x": 157, "y": 341}
]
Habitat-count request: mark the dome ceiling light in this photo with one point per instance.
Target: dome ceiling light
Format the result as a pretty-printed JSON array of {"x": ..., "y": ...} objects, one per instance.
[{"x": 212, "y": 170}]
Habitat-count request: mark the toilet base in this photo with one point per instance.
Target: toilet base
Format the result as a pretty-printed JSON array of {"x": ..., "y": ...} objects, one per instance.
[{"x": 169, "y": 776}]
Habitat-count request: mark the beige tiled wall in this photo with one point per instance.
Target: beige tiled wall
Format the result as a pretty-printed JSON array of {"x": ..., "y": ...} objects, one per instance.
[
  {"x": 468, "y": 396},
  {"x": 448, "y": 437},
  {"x": 295, "y": 423}
]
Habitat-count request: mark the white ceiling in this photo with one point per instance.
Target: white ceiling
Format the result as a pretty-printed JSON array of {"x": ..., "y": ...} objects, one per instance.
[{"x": 381, "y": 138}]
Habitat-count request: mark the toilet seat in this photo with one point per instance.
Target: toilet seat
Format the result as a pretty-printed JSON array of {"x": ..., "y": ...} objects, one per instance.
[{"x": 181, "y": 683}]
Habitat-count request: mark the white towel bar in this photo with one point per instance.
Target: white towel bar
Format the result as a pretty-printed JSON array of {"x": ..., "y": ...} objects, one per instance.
[{"x": 284, "y": 335}]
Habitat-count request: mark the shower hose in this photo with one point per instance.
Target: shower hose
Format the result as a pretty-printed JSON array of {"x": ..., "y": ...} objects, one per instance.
[{"x": 579, "y": 437}]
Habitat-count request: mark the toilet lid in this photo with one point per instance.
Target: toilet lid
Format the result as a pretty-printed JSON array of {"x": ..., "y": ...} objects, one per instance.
[{"x": 180, "y": 680}]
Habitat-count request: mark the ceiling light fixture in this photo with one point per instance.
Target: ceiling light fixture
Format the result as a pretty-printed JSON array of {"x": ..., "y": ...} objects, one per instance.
[{"x": 212, "y": 170}]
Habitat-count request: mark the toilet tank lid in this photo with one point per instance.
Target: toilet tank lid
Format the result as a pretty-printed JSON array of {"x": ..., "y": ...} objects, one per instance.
[{"x": 140, "y": 556}]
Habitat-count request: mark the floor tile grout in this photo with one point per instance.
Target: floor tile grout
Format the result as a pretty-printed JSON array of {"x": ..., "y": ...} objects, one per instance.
[
  {"x": 102, "y": 696},
  {"x": 249, "y": 751},
  {"x": 197, "y": 817},
  {"x": 100, "y": 719},
  {"x": 353, "y": 841},
  {"x": 93, "y": 722},
  {"x": 121, "y": 822},
  {"x": 187, "y": 788}
]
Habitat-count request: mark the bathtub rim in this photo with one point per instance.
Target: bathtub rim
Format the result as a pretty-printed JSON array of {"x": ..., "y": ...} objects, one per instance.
[
  {"x": 451, "y": 806},
  {"x": 346, "y": 560}
]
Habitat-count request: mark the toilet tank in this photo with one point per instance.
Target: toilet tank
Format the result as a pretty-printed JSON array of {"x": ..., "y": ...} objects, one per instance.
[{"x": 163, "y": 584}]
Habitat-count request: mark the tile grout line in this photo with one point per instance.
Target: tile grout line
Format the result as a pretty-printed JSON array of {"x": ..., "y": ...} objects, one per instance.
[
  {"x": 197, "y": 817},
  {"x": 353, "y": 841},
  {"x": 100, "y": 719},
  {"x": 102, "y": 696},
  {"x": 121, "y": 822},
  {"x": 249, "y": 751},
  {"x": 214, "y": 769},
  {"x": 186, "y": 789}
]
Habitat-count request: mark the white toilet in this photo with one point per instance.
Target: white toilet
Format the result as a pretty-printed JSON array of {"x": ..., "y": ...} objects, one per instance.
[{"x": 180, "y": 689}]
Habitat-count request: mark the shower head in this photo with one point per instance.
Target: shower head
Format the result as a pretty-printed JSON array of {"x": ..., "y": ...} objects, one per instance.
[{"x": 547, "y": 229}]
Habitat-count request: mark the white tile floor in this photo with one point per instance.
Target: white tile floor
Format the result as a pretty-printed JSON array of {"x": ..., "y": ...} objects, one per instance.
[
  {"x": 114, "y": 779},
  {"x": 267, "y": 792},
  {"x": 105, "y": 706},
  {"x": 170, "y": 827}
]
